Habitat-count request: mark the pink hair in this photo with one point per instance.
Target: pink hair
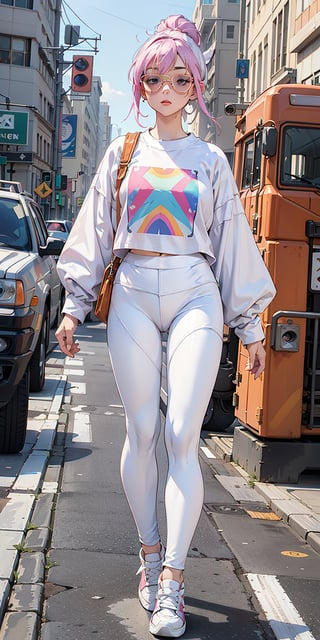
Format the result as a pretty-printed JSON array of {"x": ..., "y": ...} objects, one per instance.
[{"x": 161, "y": 50}]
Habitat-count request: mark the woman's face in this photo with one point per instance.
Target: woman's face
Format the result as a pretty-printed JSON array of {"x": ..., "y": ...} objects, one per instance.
[{"x": 170, "y": 92}]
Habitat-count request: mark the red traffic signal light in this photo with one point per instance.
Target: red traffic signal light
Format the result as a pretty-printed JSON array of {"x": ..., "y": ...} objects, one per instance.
[{"x": 82, "y": 67}]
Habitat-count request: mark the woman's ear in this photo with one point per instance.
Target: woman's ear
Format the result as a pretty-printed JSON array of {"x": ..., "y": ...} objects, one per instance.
[{"x": 194, "y": 92}]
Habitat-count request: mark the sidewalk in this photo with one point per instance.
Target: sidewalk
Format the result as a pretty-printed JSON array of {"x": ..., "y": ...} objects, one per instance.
[{"x": 298, "y": 505}]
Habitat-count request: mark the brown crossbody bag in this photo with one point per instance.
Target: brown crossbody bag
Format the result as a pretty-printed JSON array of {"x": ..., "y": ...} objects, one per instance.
[{"x": 105, "y": 291}]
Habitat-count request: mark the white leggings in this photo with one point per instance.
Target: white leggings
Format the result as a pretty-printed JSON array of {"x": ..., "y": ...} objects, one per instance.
[{"x": 177, "y": 295}]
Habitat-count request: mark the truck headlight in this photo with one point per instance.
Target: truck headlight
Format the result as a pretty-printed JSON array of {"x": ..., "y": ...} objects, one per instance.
[{"x": 11, "y": 292}]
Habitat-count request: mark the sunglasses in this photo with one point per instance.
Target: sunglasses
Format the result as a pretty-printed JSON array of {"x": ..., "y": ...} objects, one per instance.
[{"x": 153, "y": 82}]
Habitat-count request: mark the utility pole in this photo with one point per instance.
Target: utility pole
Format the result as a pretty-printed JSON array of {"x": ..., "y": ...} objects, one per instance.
[
  {"x": 58, "y": 56},
  {"x": 241, "y": 52}
]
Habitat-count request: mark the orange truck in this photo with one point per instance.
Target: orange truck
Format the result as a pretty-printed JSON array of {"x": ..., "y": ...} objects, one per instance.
[{"x": 277, "y": 170}]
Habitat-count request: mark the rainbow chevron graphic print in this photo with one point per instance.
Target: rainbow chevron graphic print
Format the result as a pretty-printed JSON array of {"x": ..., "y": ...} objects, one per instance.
[{"x": 162, "y": 201}]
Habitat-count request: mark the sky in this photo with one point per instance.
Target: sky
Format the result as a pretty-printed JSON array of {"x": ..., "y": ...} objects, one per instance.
[{"x": 123, "y": 27}]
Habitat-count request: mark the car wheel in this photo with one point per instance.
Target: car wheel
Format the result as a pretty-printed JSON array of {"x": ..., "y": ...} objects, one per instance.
[
  {"x": 219, "y": 415},
  {"x": 38, "y": 360},
  {"x": 13, "y": 418}
]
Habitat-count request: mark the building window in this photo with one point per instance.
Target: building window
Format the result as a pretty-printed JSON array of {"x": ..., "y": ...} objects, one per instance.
[
  {"x": 230, "y": 31},
  {"x": 14, "y": 51},
  {"x": 280, "y": 40},
  {"x": 234, "y": 1},
  {"x": 301, "y": 6},
  {"x": 23, "y": 4}
]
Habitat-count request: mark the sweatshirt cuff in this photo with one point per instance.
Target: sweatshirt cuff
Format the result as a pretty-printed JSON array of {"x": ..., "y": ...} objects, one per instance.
[
  {"x": 252, "y": 332},
  {"x": 73, "y": 309}
]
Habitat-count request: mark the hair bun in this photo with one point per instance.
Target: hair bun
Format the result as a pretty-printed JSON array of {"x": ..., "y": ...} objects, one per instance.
[{"x": 182, "y": 24}]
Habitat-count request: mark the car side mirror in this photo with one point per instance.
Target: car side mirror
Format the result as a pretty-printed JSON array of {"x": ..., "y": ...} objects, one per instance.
[{"x": 53, "y": 247}]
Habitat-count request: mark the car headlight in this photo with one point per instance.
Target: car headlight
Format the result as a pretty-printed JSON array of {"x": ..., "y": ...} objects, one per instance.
[{"x": 11, "y": 292}]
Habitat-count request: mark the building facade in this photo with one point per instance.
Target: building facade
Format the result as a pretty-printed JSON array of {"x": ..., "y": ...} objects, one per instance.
[
  {"x": 81, "y": 168},
  {"x": 218, "y": 23},
  {"x": 29, "y": 31}
]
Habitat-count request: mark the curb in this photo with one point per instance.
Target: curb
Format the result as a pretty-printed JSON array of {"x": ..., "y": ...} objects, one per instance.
[{"x": 25, "y": 526}]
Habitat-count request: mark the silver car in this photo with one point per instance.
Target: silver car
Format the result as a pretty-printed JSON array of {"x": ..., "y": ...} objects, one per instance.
[{"x": 30, "y": 301}]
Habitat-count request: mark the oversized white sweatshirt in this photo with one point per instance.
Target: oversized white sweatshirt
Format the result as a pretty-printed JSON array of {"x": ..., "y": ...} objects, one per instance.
[{"x": 178, "y": 197}]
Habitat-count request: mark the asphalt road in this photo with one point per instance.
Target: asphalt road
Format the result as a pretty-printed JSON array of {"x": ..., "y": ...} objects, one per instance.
[{"x": 248, "y": 576}]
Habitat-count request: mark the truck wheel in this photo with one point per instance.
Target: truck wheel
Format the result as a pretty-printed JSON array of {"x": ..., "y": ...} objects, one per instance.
[
  {"x": 38, "y": 360},
  {"x": 13, "y": 418},
  {"x": 219, "y": 415}
]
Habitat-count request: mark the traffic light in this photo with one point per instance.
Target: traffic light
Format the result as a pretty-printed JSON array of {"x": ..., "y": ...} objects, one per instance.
[
  {"x": 82, "y": 67},
  {"x": 46, "y": 176},
  {"x": 64, "y": 182}
]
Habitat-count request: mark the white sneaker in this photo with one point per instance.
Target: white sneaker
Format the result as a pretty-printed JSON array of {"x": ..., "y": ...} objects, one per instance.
[
  {"x": 168, "y": 618},
  {"x": 151, "y": 567}
]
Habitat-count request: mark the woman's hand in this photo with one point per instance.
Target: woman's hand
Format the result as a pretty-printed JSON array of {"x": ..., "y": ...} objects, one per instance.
[
  {"x": 256, "y": 358},
  {"x": 64, "y": 335}
]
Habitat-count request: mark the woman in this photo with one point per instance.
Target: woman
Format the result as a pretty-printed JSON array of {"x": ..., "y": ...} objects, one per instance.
[{"x": 189, "y": 264}]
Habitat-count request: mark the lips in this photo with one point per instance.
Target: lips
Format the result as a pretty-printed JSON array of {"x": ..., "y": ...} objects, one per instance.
[{"x": 165, "y": 102}]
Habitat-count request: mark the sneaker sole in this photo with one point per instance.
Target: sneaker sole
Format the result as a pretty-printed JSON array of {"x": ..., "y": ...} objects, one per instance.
[{"x": 166, "y": 631}]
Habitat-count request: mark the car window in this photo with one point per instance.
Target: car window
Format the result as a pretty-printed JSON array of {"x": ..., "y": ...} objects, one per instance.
[
  {"x": 14, "y": 230},
  {"x": 39, "y": 223},
  {"x": 56, "y": 226}
]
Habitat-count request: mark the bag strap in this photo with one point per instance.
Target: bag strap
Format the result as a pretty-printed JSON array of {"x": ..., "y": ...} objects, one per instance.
[{"x": 129, "y": 146}]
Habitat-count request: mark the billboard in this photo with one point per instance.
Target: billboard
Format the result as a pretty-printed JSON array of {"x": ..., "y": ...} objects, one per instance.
[
  {"x": 13, "y": 127},
  {"x": 68, "y": 135}
]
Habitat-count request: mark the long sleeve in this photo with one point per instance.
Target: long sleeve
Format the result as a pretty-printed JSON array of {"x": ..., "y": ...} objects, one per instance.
[
  {"x": 245, "y": 283},
  {"x": 89, "y": 245}
]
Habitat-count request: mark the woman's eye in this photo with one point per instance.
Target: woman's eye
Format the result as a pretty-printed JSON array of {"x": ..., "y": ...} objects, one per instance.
[
  {"x": 152, "y": 81},
  {"x": 183, "y": 82}
]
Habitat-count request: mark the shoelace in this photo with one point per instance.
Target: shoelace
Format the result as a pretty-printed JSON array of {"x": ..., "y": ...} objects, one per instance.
[
  {"x": 152, "y": 572},
  {"x": 168, "y": 599}
]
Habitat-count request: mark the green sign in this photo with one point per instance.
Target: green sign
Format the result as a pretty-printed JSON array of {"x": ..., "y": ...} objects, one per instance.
[{"x": 13, "y": 127}]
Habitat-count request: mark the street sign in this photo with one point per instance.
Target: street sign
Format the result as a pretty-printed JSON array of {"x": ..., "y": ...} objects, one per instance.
[
  {"x": 13, "y": 127},
  {"x": 43, "y": 190},
  {"x": 19, "y": 156}
]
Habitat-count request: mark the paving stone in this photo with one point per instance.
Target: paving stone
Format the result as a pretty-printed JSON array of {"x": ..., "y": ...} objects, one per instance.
[
  {"x": 287, "y": 508},
  {"x": 314, "y": 540},
  {"x": 31, "y": 568},
  {"x": 8, "y": 554},
  {"x": 16, "y": 514},
  {"x": 304, "y": 524},
  {"x": 4, "y": 595},
  {"x": 32, "y": 472},
  {"x": 239, "y": 488},
  {"x": 19, "y": 626},
  {"x": 26, "y": 597},
  {"x": 46, "y": 437},
  {"x": 37, "y": 539},
  {"x": 42, "y": 512}
]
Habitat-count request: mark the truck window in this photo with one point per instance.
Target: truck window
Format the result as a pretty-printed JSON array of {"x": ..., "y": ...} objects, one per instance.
[
  {"x": 247, "y": 164},
  {"x": 257, "y": 158},
  {"x": 300, "y": 157}
]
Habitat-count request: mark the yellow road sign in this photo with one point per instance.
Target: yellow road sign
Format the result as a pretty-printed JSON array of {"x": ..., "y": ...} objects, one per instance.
[{"x": 43, "y": 190}]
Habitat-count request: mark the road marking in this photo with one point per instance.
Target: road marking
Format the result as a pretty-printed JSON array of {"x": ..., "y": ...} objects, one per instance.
[
  {"x": 79, "y": 388},
  {"x": 82, "y": 431},
  {"x": 294, "y": 554},
  {"x": 282, "y": 616},
  {"x": 73, "y": 372},
  {"x": 207, "y": 452},
  {"x": 74, "y": 362}
]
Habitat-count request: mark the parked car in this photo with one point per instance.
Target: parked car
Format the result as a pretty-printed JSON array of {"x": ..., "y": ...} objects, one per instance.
[
  {"x": 59, "y": 228},
  {"x": 30, "y": 302}
]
